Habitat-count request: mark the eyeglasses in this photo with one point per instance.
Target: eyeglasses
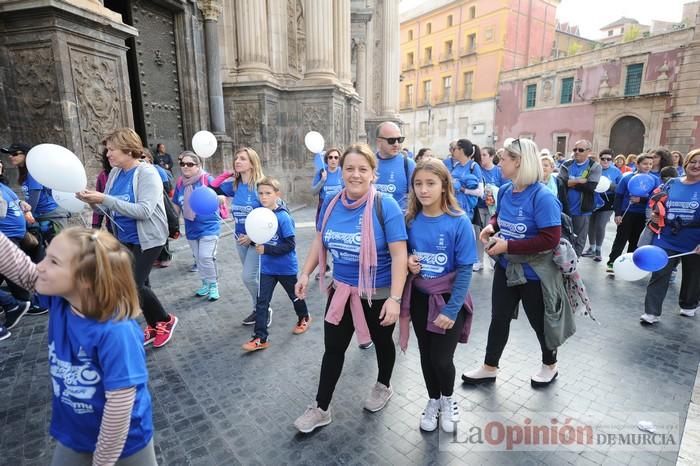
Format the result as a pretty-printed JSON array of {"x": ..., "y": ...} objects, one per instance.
[
  {"x": 333, "y": 157},
  {"x": 510, "y": 146},
  {"x": 580, "y": 149},
  {"x": 606, "y": 159},
  {"x": 392, "y": 141},
  {"x": 188, "y": 164}
]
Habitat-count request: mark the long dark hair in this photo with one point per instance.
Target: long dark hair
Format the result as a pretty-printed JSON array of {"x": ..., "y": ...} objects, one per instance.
[
  {"x": 470, "y": 149},
  {"x": 105, "y": 161},
  {"x": 666, "y": 158}
]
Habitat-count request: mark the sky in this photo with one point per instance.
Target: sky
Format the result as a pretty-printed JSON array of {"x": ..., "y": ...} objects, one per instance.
[{"x": 591, "y": 15}]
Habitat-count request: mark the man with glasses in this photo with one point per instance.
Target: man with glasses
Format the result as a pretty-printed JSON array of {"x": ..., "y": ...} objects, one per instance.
[
  {"x": 581, "y": 176},
  {"x": 394, "y": 170}
]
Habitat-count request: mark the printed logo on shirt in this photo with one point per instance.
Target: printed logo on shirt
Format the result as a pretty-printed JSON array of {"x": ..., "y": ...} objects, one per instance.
[
  {"x": 78, "y": 381},
  {"x": 432, "y": 263},
  {"x": 344, "y": 246},
  {"x": 386, "y": 188},
  {"x": 512, "y": 230}
]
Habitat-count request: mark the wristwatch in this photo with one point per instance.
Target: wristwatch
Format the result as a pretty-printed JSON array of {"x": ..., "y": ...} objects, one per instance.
[{"x": 395, "y": 298}]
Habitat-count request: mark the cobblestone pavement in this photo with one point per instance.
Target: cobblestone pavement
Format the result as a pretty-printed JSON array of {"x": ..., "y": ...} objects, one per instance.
[{"x": 213, "y": 404}]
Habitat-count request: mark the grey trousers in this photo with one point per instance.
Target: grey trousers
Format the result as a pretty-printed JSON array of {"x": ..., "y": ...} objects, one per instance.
[
  {"x": 204, "y": 252},
  {"x": 689, "y": 296},
  {"x": 596, "y": 228},
  {"x": 64, "y": 456},
  {"x": 581, "y": 229}
]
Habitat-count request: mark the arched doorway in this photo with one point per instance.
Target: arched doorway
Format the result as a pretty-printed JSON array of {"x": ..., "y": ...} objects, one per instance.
[{"x": 627, "y": 136}]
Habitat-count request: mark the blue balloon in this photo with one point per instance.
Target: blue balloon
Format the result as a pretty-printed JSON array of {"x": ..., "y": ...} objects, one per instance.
[
  {"x": 641, "y": 185},
  {"x": 203, "y": 201},
  {"x": 650, "y": 258}
]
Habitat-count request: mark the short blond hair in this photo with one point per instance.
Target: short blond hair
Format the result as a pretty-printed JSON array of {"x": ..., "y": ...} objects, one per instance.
[
  {"x": 530, "y": 168},
  {"x": 125, "y": 140},
  {"x": 271, "y": 182}
]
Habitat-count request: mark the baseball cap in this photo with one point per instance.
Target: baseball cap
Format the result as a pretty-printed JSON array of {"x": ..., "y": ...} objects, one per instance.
[{"x": 16, "y": 147}]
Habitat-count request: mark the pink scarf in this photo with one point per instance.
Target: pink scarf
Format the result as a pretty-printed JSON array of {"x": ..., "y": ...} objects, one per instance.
[
  {"x": 368, "y": 245},
  {"x": 189, "y": 183}
]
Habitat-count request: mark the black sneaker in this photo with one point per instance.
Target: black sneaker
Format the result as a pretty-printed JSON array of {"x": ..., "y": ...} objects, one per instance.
[
  {"x": 250, "y": 320},
  {"x": 366, "y": 345},
  {"x": 35, "y": 310},
  {"x": 14, "y": 315}
]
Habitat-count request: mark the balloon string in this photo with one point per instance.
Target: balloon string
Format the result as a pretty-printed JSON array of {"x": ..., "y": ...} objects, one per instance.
[
  {"x": 683, "y": 254},
  {"x": 231, "y": 229},
  {"x": 625, "y": 212},
  {"x": 109, "y": 217}
]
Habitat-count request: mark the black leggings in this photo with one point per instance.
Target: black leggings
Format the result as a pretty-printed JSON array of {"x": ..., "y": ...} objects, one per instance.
[
  {"x": 336, "y": 339},
  {"x": 628, "y": 231},
  {"x": 436, "y": 350},
  {"x": 504, "y": 303},
  {"x": 152, "y": 309}
]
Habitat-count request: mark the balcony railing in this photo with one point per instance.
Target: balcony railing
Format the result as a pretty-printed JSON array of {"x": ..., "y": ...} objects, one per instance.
[
  {"x": 466, "y": 51},
  {"x": 446, "y": 57},
  {"x": 427, "y": 62}
]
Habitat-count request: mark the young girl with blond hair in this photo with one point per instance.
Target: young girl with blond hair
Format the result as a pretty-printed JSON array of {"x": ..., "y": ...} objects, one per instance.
[{"x": 101, "y": 404}]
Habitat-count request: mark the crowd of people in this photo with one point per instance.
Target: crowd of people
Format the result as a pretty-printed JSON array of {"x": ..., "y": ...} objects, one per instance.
[{"x": 403, "y": 235}]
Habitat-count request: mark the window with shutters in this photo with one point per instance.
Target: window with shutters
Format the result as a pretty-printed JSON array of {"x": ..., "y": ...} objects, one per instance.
[
  {"x": 567, "y": 91},
  {"x": 531, "y": 96},
  {"x": 633, "y": 83}
]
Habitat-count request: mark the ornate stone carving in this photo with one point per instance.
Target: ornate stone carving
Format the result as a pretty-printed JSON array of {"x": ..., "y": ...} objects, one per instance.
[
  {"x": 98, "y": 99},
  {"x": 603, "y": 87},
  {"x": 247, "y": 118},
  {"x": 301, "y": 37},
  {"x": 339, "y": 126},
  {"x": 315, "y": 118},
  {"x": 211, "y": 9},
  {"x": 354, "y": 119},
  {"x": 547, "y": 87},
  {"x": 36, "y": 93},
  {"x": 272, "y": 133},
  {"x": 292, "y": 58}
]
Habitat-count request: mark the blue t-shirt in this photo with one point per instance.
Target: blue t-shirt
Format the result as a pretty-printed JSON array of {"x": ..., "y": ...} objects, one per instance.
[
  {"x": 682, "y": 208},
  {"x": 521, "y": 215},
  {"x": 244, "y": 201},
  {"x": 613, "y": 174},
  {"x": 123, "y": 189},
  {"x": 393, "y": 179},
  {"x": 86, "y": 359},
  {"x": 162, "y": 173},
  {"x": 463, "y": 177},
  {"x": 333, "y": 184},
  {"x": 46, "y": 203},
  {"x": 342, "y": 238},
  {"x": 202, "y": 225},
  {"x": 576, "y": 171},
  {"x": 492, "y": 176},
  {"x": 441, "y": 243},
  {"x": 12, "y": 224},
  {"x": 624, "y": 194},
  {"x": 285, "y": 264}
]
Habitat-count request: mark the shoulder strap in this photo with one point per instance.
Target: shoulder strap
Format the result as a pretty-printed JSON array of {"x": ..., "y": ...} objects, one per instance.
[
  {"x": 405, "y": 171},
  {"x": 379, "y": 210}
]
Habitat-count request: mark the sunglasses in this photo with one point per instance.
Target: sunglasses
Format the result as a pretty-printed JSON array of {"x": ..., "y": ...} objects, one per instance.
[
  {"x": 332, "y": 157},
  {"x": 393, "y": 141},
  {"x": 188, "y": 164},
  {"x": 580, "y": 149},
  {"x": 510, "y": 146},
  {"x": 16, "y": 154},
  {"x": 606, "y": 159}
]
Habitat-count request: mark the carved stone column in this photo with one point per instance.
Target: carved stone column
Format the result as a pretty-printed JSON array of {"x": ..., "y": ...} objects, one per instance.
[
  {"x": 211, "y": 10},
  {"x": 361, "y": 81},
  {"x": 391, "y": 39},
  {"x": 253, "y": 40},
  {"x": 341, "y": 41},
  {"x": 319, "y": 50}
]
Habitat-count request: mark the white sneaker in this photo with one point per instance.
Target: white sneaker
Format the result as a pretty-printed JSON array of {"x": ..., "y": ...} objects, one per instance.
[
  {"x": 688, "y": 312},
  {"x": 429, "y": 418},
  {"x": 649, "y": 318},
  {"x": 378, "y": 397},
  {"x": 313, "y": 418},
  {"x": 449, "y": 414},
  {"x": 479, "y": 375},
  {"x": 478, "y": 266},
  {"x": 544, "y": 377}
]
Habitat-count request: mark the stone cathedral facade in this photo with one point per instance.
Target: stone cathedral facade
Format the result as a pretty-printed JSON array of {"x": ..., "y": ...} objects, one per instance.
[{"x": 259, "y": 73}]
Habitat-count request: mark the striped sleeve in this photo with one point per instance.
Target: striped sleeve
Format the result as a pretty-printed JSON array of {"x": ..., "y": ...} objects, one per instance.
[
  {"x": 114, "y": 426},
  {"x": 15, "y": 265}
]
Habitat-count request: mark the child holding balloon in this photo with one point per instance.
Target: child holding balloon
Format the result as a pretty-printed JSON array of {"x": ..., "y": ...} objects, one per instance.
[
  {"x": 631, "y": 196},
  {"x": 278, "y": 264},
  {"x": 201, "y": 224}
]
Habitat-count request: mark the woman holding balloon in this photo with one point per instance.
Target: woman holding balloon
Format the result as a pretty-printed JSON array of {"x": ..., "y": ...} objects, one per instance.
[
  {"x": 201, "y": 224},
  {"x": 605, "y": 200},
  {"x": 680, "y": 234},
  {"x": 241, "y": 185},
  {"x": 631, "y": 196},
  {"x": 134, "y": 194}
]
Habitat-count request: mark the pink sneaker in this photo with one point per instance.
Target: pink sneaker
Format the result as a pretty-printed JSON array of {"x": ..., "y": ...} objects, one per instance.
[
  {"x": 164, "y": 331},
  {"x": 149, "y": 334}
]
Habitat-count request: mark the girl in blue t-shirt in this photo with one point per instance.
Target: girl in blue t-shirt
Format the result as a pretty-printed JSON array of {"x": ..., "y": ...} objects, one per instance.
[
  {"x": 366, "y": 235},
  {"x": 101, "y": 404},
  {"x": 680, "y": 234},
  {"x": 442, "y": 251},
  {"x": 241, "y": 185},
  {"x": 528, "y": 220},
  {"x": 278, "y": 264},
  {"x": 492, "y": 179},
  {"x": 202, "y": 231},
  {"x": 630, "y": 212}
]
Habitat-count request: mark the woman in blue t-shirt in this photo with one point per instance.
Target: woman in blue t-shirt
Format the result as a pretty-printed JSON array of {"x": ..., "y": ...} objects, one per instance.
[
  {"x": 681, "y": 233},
  {"x": 492, "y": 178},
  {"x": 101, "y": 406},
  {"x": 202, "y": 231},
  {"x": 328, "y": 182},
  {"x": 528, "y": 221},
  {"x": 630, "y": 212},
  {"x": 241, "y": 185},
  {"x": 678, "y": 162},
  {"x": 604, "y": 207},
  {"x": 442, "y": 252},
  {"x": 366, "y": 235}
]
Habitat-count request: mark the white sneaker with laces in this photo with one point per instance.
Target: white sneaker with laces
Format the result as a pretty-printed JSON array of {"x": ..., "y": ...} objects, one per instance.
[
  {"x": 649, "y": 318},
  {"x": 378, "y": 397},
  {"x": 313, "y": 418},
  {"x": 449, "y": 414},
  {"x": 688, "y": 312},
  {"x": 429, "y": 418},
  {"x": 545, "y": 376}
]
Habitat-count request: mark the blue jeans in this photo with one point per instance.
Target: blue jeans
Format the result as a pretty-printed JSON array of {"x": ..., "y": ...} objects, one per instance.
[
  {"x": 251, "y": 265},
  {"x": 267, "y": 287},
  {"x": 7, "y": 301}
]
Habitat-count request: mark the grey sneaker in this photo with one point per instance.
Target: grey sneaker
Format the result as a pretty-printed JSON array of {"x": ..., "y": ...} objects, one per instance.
[
  {"x": 378, "y": 397},
  {"x": 250, "y": 320},
  {"x": 313, "y": 418}
]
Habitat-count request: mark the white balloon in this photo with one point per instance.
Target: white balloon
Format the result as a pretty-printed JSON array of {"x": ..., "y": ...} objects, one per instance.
[
  {"x": 57, "y": 168},
  {"x": 68, "y": 201},
  {"x": 204, "y": 144},
  {"x": 261, "y": 225},
  {"x": 314, "y": 142},
  {"x": 603, "y": 184},
  {"x": 625, "y": 268}
]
